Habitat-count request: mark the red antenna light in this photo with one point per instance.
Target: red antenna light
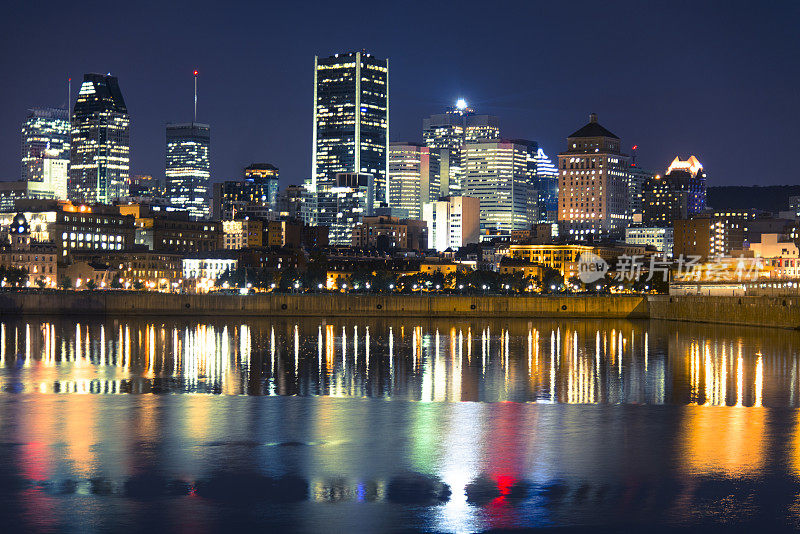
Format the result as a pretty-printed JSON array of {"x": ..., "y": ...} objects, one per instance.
[
  {"x": 195, "y": 73},
  {"x": 635, "y": 147}
]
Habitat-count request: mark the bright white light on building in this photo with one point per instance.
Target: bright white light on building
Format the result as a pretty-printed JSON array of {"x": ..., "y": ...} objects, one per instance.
[{"x": 461, "y": 104}]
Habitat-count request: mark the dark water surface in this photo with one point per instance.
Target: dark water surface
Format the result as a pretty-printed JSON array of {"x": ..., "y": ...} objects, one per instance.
[{"x": 393, "y": 425}]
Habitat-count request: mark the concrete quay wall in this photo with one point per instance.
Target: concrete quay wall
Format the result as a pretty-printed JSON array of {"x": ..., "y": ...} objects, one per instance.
[
  {"x": 782, "y": 312},
  {"x": 774, "y": 311},
  {"x": 327, "y": 304}
]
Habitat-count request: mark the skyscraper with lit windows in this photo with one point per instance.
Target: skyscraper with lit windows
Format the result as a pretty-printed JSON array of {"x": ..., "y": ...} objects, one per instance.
[
  {"x": 100, "y": 141},
  {"x": 46, "y": 152},
  {"x": 448, "y": 132},
  {"x": 502, "y": 175},
  {"x": 350, "y": 126},
  {"x": 546, "y": 188},
  {"x": 593, "y": 186},
  {"x": 413, "y": 177},
  {"x": 188, "y": 168}
]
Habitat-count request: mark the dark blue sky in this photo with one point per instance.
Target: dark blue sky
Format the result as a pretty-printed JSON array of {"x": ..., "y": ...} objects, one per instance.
[{"x": 715, "y": 79}]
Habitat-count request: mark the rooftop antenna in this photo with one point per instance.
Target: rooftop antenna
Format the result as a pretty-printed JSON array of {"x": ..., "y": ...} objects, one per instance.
[
  {"x": 69, "y": 100},
  {"x": 195, "y": 96}
]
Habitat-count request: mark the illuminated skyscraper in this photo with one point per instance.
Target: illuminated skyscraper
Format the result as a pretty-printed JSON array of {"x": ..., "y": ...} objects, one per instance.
[
  {"x": 100, "y": 142},
  {"x": 413, "y": 177},
  {"x": 593, "y": 186},
  {"x": 448, "y": 132},
  {"x": 262, "y": 179},
  {"x": 353, "y": 200},
  {"x": 351, "y": 126},
  {"x": 546, "y": 188},
  {"x": 45, "y": 153},
  {"x": 679, "y": 194},
  {"x": 502, "y": 175},
  {"x": 189, "y": 168}
]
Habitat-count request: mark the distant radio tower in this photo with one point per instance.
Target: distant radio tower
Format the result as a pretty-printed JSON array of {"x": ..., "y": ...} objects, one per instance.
[
  {"x": 69, "y": 101},
  {"x": 195, "y": 96},
  {"x": 634, "y": 148}
]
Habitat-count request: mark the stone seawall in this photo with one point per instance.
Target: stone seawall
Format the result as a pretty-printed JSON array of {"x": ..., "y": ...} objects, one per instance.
[
  {"x": 269, "y": 305},
  {"x": 781, "y": 312}
]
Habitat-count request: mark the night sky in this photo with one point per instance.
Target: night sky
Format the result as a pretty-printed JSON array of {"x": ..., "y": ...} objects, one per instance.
[{"x": 715, "y": 79}]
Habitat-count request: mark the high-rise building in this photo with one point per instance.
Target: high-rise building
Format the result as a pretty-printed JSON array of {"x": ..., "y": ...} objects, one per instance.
[
  {"x": 692, "y": 173},
  {"x": 351, "y": 126},
  {"x": 502, "y": 175},
  {"x": 262, "y": 178},
  {"x": 100, "y": 141},
  {"x": 292, "y": 202},
  {"x": 188, "y": 169},
  {"x": 546, "y": 188},
  {"x": 352, "y": 200},
  {"x": 592, "y": 189},
  {"x": 255, "y": 195},
  {"x": 637, "y": 180},
  {"x": 45, "y": 153},
  {"x": 452, "y": 222},
  {"x": 448, "y": 132},
  {"x": 679, "y": 194},
  {"x": 413, "y": 177}
]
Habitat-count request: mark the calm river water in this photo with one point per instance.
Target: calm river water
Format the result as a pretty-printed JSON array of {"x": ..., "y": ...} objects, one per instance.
[{"x": 337, "y": 425}]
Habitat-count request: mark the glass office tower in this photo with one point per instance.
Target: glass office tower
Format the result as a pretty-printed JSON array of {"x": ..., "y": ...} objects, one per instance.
[
  {"x": 45, "y": 152},
  {"x": 547, "y": 188},
  {"x": 100, "y": 142},
  {"x": 262, "y": 179},
  {"x": 351, "y": 126},
  {"x": 189, "y": 168},
  {"x": 448, "y": 132},
  {"x": 502, "y": 175}
]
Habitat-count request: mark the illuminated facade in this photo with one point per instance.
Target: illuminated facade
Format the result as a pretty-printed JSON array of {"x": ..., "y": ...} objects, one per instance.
[
  {"x": 45, "y": 153},
  {"x": 75, "y": 228},
  {"x": 204, "y": 269},
  {"x": 242, "y": 233},
  {"x": 413, "y": 177},
  {"x": 188, "y": 169},
  {"x": 562, "y": 258},
  {"x": 546, "y": 188},
  {"x": 448, "y": 132},
  {"x": 659, "y": 238},
  {"x": 40, "y": 260},
  {"x": 256, "y": 195},
  {"x": 100, "y": 142},
  {"x": 261, "y": 182},
  {"x": 502, "y": 175},
  {"x": 593, "y": 188},
  {"x": 709, "y": 235},
  {"x": 679, "y": 194},
  {"x": 352, "y": 200},
  {"x": 350, "y": 127},
  {"x": 453, "y": 222}
]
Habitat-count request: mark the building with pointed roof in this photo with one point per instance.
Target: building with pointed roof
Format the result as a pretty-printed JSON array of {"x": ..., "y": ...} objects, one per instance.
[
  {"x": 100, "y": 142},
  {"x": 593, "y": 188}
]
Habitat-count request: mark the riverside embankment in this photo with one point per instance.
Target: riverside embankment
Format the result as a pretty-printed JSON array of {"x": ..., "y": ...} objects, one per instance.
[
  {"x": 782, "y": 312},
  {"x": 311, "y": 305}
]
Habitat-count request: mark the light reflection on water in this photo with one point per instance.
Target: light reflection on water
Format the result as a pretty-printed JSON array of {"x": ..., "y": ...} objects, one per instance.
[
  {"x": 287, "y": 425},
  {"x": 573, "y": 362}
]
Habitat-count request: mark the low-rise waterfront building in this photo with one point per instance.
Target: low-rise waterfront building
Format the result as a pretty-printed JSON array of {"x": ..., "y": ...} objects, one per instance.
[{"x": 659, "y": 238}]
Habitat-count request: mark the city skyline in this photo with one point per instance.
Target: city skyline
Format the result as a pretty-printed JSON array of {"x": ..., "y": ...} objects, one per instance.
[{"x": 679, "y": 102}]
